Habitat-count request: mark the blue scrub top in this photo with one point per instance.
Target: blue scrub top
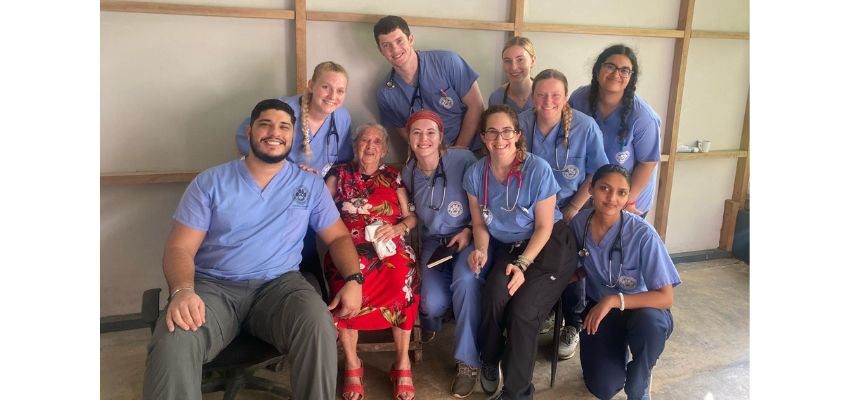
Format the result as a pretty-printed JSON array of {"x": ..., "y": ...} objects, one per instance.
[
  {"x": 446, "y": 78},
  {"x": 500, "y": 97},
  {"x": 253, "y": 233},
  {"x": 586, "y": 151},
  {"x": 643, "y": 142},
  {"x": 646, "y": 263},
  {"x": 327, "y": 151},
  {"x": 538, "y": 183},
  {"x": 453, "y": 216}
]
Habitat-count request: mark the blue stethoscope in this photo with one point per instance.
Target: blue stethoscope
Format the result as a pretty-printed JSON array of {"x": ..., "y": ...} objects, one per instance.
[
  {"x": 440, "y": 173},
  {"x": 417, "y": 92},
  {"x": 617, "y": 246},
  {"x": 513, "y": 172},
  {"x": 557, "y": 166}
]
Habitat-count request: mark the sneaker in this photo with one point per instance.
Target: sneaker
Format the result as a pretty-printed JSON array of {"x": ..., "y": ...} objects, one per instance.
[
  {"x": 567, "y": 343},
  {"x": 491, "y": 378},
  {"x": 428, "y": 336},
  {"x": 548, "y": 324},
  {"x": 464, "y": 381}
]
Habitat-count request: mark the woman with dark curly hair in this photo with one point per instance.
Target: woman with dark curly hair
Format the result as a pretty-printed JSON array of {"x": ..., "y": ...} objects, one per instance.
[{"x": 631, "y": 129}]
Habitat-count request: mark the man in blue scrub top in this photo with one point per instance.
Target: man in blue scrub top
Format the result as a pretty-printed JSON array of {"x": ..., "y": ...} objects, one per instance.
[
  {"x": 438, "y": 80},
  {"x": 231, "y": 263}
]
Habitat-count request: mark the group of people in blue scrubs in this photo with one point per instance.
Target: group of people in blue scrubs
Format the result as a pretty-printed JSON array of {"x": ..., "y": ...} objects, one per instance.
[{"x": 542, "y": 196}]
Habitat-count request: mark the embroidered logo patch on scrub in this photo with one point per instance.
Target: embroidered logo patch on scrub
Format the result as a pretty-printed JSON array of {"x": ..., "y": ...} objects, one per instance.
[
  {"x": 571, "y": 172},
  {"x": 455, "y": 209},
  {"x": 622, "y": 156},
  {"x": 445, "y": 100},
  {"x": 301, "y": 196},
  {"x": 627, "y": 282}
]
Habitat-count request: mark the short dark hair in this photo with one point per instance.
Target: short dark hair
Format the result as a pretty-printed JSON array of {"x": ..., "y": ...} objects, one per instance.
[
  {"x": 271, "y": 104},
  {"x": 388, "y": 24},
  {"x": 611, "y": 169}
]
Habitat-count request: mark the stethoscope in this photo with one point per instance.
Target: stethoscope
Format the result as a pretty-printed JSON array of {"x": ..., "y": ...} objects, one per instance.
[
  {"x": 432, "y": 182},
  {"x": 417, "y": 92},
  {"x": 515, "y": 172},
  {"x": 557, "y": 167},
  {"x": 617, "y": 246},
  {"x": 505, "y": 95}
]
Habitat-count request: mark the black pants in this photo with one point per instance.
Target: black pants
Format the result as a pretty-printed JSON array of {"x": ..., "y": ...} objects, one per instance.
[{"x": 522, "y": 314}]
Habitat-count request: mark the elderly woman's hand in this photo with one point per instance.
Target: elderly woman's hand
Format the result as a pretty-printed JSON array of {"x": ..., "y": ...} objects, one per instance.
[{"x": 387, "y": 232}]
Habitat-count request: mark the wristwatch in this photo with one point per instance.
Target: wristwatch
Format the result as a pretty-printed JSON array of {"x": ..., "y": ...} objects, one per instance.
[{"x": 358, "y": 277}]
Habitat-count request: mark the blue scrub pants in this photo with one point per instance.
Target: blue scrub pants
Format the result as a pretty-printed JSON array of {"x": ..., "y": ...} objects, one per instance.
[
  {"x": 573, "y": 303},
  {"x": 452, "y": 284},
  {"x": 605, "y": 355}
]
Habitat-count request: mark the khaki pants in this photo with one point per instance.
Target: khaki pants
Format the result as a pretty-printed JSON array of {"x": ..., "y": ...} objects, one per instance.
[{"x": 286, "y": 312}]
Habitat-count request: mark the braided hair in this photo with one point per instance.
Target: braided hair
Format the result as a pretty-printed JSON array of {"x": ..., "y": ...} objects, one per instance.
[
  {"x": 567, "y": 111},
  {"x": 628, "y": 100},
  {"x": 307, "y": 98}
]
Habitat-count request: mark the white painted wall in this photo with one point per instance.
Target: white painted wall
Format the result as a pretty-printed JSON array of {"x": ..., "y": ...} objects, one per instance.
[{"x": 174, "y": 88}]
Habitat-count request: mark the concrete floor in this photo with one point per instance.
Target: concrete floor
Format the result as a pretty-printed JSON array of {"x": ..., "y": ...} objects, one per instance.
[{"x": 707, "y": 357}]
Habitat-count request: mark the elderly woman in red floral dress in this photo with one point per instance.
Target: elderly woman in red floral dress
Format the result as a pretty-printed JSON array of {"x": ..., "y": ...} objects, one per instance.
[{"x": 367, "y": 192}]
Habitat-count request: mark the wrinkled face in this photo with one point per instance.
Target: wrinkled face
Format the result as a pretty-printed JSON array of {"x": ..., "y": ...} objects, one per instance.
[
  {"x": 396, "y": 47},
  {"x": 610, "y": 76},
  {"x": 328, "y": 91},
  {"x": 549, "y": 98},
  {"x": 425, "y": 138},
  {"x": 370, "y": 146},
  {"x": 610, "y": 193},
  {"x": 500, "y": 136},
  {"x": 516, "y": 63},
  {"x": 270, "y": 136}
]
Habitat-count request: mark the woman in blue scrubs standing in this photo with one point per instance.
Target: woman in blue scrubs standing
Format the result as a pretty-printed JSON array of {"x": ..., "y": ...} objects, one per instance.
[
  {"x": 517, "y": 60},
  {"x": 631, "y": 129},
  {"x": 434, "y": 178},
  {"x": 630, "y": 280},
  {"x": 512, "y": 197},
  {"x": 571, "y": 143}
]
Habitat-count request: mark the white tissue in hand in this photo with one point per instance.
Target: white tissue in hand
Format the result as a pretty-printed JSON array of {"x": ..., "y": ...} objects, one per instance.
[{"x": 385, "y": 248}]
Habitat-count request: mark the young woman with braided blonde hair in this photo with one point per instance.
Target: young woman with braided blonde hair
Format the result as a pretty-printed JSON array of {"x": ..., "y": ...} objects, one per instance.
[
  {"x": 631, "y": 129},
  {"x": 321, "y": 138},
  {"x": 571, "y": 143},
  {"x": 324, "y": 125}
]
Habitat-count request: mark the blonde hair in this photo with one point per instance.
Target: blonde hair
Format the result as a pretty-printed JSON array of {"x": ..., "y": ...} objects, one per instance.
[
  {"x": 307, "y": 97},
  {"x": 520, "y": 41},
  {"x": 567, "y": 111}
]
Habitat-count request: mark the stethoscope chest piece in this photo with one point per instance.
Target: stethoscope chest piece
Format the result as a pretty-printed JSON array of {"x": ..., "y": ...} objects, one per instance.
[
  {"x": 583, "y": 252},
  {"x": 391, "y": 84},
  {"x": 486, "y": 215}
]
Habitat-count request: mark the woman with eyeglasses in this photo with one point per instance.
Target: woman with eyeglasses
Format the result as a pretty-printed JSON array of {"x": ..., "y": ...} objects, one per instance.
[
  {"x": 630, "y": 280},
  {"x": 325, "y": 140},
  {"x": 512, "y": 195},
  {"x": 571, "y": 143},
  {"x": 433, "y": 177},
  {"x": 517, "y": 60},
  {"x": 631, "y": 129}
]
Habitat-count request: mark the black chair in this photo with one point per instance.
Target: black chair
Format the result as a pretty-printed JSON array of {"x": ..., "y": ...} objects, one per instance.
[
  {"x": 556, "y": 331},
  {"x": 234, "y": 368}
]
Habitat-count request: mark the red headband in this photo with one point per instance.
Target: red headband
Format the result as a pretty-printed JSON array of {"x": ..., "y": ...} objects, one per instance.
[{"x": 425, "y": 114}]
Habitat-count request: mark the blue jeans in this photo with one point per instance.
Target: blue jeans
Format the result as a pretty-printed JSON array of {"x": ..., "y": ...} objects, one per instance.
[
  {"x": 452, "y": 283},
  {"x": 605, "y": 355}
]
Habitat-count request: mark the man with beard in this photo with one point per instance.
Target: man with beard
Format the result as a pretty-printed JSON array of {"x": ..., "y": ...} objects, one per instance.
[{"x": 231, "y": 262}]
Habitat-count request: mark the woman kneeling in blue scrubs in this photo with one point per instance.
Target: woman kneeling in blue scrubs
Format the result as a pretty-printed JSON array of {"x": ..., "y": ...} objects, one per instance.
[{"x": 630, "y": 280}]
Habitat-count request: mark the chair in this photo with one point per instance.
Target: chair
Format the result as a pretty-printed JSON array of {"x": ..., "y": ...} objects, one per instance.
[
  {"x": 234, "y": 368},
  {"x": 556, "y": 332}
]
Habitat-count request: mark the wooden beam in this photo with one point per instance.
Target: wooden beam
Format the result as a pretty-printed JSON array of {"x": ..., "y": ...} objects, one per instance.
[
  {"x": 712, "y": 155},
  {"x": 720, "y": 35},
  {"x": 518, "y": 16},
  {"x": 415, "y": 21},
  {"x": 671, "y": 126},
  {"x": 727, "y": 230},
  {"x": 605, "y": 30},
  {"x": 742, "y": 172},
  {"x": 143, "y": 177},
  {"x": 184, "y": 9},
  {"x": 300, "y": 46}
]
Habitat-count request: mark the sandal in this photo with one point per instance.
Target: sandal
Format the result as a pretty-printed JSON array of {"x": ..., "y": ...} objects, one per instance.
[
  {"x": 351, "y": 389},
  {"x": 400, "y": 388}
]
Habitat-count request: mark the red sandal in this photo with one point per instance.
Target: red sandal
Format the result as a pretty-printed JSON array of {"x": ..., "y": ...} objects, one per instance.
[
  {"x": 400, "y": 388},
  {"x": 354, "y": 388}
]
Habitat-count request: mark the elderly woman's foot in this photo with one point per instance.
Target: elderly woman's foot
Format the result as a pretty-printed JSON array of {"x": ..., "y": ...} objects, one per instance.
[
  {"x": 402, "y": 379},
  {"x": 352, "y": 388}
]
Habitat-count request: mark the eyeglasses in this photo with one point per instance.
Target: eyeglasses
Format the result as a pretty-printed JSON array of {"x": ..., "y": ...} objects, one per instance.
[
  {"x": 624, "y": 72},
  {"x": 507, "y": 134}
]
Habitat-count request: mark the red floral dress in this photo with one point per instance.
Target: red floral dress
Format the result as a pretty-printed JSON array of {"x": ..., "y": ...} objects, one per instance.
[{"x": 391, "y": 289}]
